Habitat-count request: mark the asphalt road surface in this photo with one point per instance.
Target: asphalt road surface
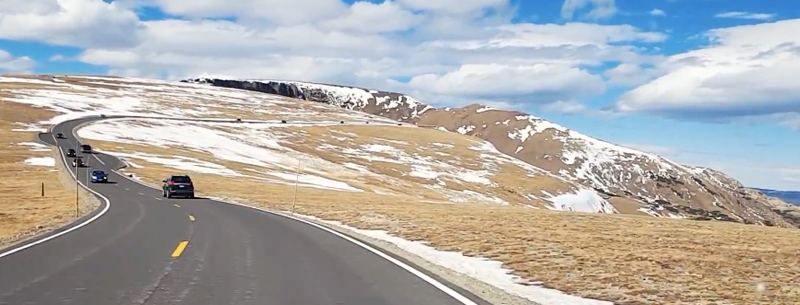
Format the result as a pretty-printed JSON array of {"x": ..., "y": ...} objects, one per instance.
[{"x": 135, "y": 251}]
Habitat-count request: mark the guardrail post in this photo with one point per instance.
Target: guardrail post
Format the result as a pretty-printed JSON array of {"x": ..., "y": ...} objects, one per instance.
[{"x": 42, "y": 189}]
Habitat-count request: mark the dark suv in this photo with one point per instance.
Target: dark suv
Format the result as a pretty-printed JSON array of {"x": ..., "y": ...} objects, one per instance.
[
  {"x": 71, "y": 152},
  {"x": 86, "y": 148},
  {"x": 178, "y": 186}
]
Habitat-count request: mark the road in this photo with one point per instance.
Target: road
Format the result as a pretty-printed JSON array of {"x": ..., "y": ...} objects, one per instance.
[{"x": 135, "y": 251}]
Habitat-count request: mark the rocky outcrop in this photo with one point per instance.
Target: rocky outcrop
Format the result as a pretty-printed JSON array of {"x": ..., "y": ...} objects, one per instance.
[
  {"x": 278, "y": 88},
  {"x": 635, "y": 182}
]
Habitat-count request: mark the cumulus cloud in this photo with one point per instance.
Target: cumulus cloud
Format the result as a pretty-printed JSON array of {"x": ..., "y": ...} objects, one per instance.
[
  {"x": 631, "y": 74},
  {"x": 745, "y": 15},
  {"x": 454, "y": 6},
  {"x": 746, "y": 71},
  {"x": 549, "y": 81},
  {"x": 79, "y": 23},
  {"x": 383, "y": 17},
  {"x": 10, "y": 63},
  {"x": 565, "y": 107},
  {"x": 600, "y": 8},
  {"x": 657, "y": 12},
  {"x": 281, "y": 12}
]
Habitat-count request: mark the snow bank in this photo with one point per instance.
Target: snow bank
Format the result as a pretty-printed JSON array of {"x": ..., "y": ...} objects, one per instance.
[
  {"x": 582, "y": 201},
  {"x": 41, "y": 161},
  {"x": 488, "y": 271}
]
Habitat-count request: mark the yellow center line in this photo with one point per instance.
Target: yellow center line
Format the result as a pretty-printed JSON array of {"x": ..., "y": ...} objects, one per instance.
[
  {"x": 191, "y": 217},
  {"x": 180, "y": 248}
]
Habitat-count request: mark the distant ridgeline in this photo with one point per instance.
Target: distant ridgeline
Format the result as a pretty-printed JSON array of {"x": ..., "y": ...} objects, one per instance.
[{"x": 788, "y": 196}]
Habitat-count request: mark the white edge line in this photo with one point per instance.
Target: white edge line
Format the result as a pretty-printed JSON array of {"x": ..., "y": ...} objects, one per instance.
[
  {"x": 78, "y": 226},
  {"x": 447, "y": 290}
]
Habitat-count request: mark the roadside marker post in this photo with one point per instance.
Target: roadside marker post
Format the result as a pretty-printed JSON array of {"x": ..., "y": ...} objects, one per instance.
[
  {"x": 42, "y": 189},
  {"x": 77, "y": 184},
  {"x": 296, "y": 179}
]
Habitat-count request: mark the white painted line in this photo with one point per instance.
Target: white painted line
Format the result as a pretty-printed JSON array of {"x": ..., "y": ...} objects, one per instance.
[
  {"x": 78, "y": 226},
  {"x": 140, "y": 193},
  {"x": 159, "y": 199},
  {"x": 447, "y": 290},
  {"x": 98, "y": 159},
  {"x": 127, "y": 189}
]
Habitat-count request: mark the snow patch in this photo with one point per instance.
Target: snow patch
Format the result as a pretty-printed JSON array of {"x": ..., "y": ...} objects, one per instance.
[
  {"x": 482, "y": 269},
  {"x": 583, "y": 200},
  {"x": 41, "y": 161}
]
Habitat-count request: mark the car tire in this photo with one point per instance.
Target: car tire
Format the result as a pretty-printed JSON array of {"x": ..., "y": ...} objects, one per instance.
[
  {"x": 191, "y": 196},
  {"x": 169, "y": 195}
]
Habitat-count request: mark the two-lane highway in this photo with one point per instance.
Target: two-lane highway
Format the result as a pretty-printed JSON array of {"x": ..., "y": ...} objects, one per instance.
[{"x": 145, "y": 249}]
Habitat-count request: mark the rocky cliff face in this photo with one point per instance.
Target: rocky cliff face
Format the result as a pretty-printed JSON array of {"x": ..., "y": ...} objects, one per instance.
[{"x": 633, "y": 181}]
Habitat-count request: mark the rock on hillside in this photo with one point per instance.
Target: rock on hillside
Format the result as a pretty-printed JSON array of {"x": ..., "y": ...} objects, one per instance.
[{"x": 634, "y": 182}]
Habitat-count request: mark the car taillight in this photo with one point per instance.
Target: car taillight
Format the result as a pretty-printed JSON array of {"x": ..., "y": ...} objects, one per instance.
[{"x": 171, "y": 183}]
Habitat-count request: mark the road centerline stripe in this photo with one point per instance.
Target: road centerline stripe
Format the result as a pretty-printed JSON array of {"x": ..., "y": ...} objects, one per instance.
[
  {"x": 179, "y": 249},
  {"x": 191, "y": 217},
  {"x": 176, "y": 205}
]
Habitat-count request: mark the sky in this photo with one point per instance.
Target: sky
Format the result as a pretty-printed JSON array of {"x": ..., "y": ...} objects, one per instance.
[{"x": 703, "y": 82}]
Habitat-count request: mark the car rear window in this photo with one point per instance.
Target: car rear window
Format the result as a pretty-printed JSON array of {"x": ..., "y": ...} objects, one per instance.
[{"x": 181, "y": 179}]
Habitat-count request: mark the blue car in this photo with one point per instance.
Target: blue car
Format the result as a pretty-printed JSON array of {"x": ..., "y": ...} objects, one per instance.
[{"x": 99, "y": 176}]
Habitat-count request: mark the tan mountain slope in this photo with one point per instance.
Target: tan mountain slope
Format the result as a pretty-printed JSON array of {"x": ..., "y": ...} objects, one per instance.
[{"x": 634, "y": 182}]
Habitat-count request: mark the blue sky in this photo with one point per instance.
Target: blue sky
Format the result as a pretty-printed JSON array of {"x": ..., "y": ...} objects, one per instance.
[{"x": 644, "y": 74}]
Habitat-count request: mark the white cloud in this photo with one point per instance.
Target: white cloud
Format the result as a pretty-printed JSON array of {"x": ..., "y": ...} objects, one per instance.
[
  {"x": 565, "y": 107},
  {"x": 384, "y": 17},
  {"x": 748, "y": 70},
  {"x": 80, "y": 23},
  {"x": 600, "y": 8},
  {"x": 549, "y": 80},
  {"x": 657, "y": 12},
  {"x": 282, "y": 12},
  {"x": 631, "y": 74},
  {"x": 453, "y": 6},
  {"x": 745, "y": 15},
  {"x": 15, "y": 64}
]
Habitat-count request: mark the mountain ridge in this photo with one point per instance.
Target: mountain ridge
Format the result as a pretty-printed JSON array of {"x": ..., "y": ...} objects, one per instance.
[
  {"x": 792, "y": 197},
  {"x": 635, "y": 182}
]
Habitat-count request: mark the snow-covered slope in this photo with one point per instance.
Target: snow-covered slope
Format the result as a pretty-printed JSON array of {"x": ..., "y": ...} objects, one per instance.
[
  {"x": 634, "y": 182},
  {"x": 346, "y": 147}
]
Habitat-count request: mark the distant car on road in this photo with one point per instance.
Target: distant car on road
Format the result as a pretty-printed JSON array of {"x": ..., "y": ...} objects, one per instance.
[
  {"x": 86, "y": 148},
  {"x": 78, "y": 162},
  {"x": 99, "y": 176},
  {"x": 71, "y": 152},
  {"x": 178, "y": 185},
  {"x": 60, "y": 135}
]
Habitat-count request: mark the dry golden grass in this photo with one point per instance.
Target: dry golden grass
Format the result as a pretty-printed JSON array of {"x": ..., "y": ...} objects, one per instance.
[
  {"x": 23, "y": 209},
  {"x": 623, "y": 258},
  {"x": 448, "y": 148}
]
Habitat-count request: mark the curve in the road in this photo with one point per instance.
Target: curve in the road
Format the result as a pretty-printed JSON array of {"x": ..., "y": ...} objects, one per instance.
[{"x": 231, "y": 254}]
